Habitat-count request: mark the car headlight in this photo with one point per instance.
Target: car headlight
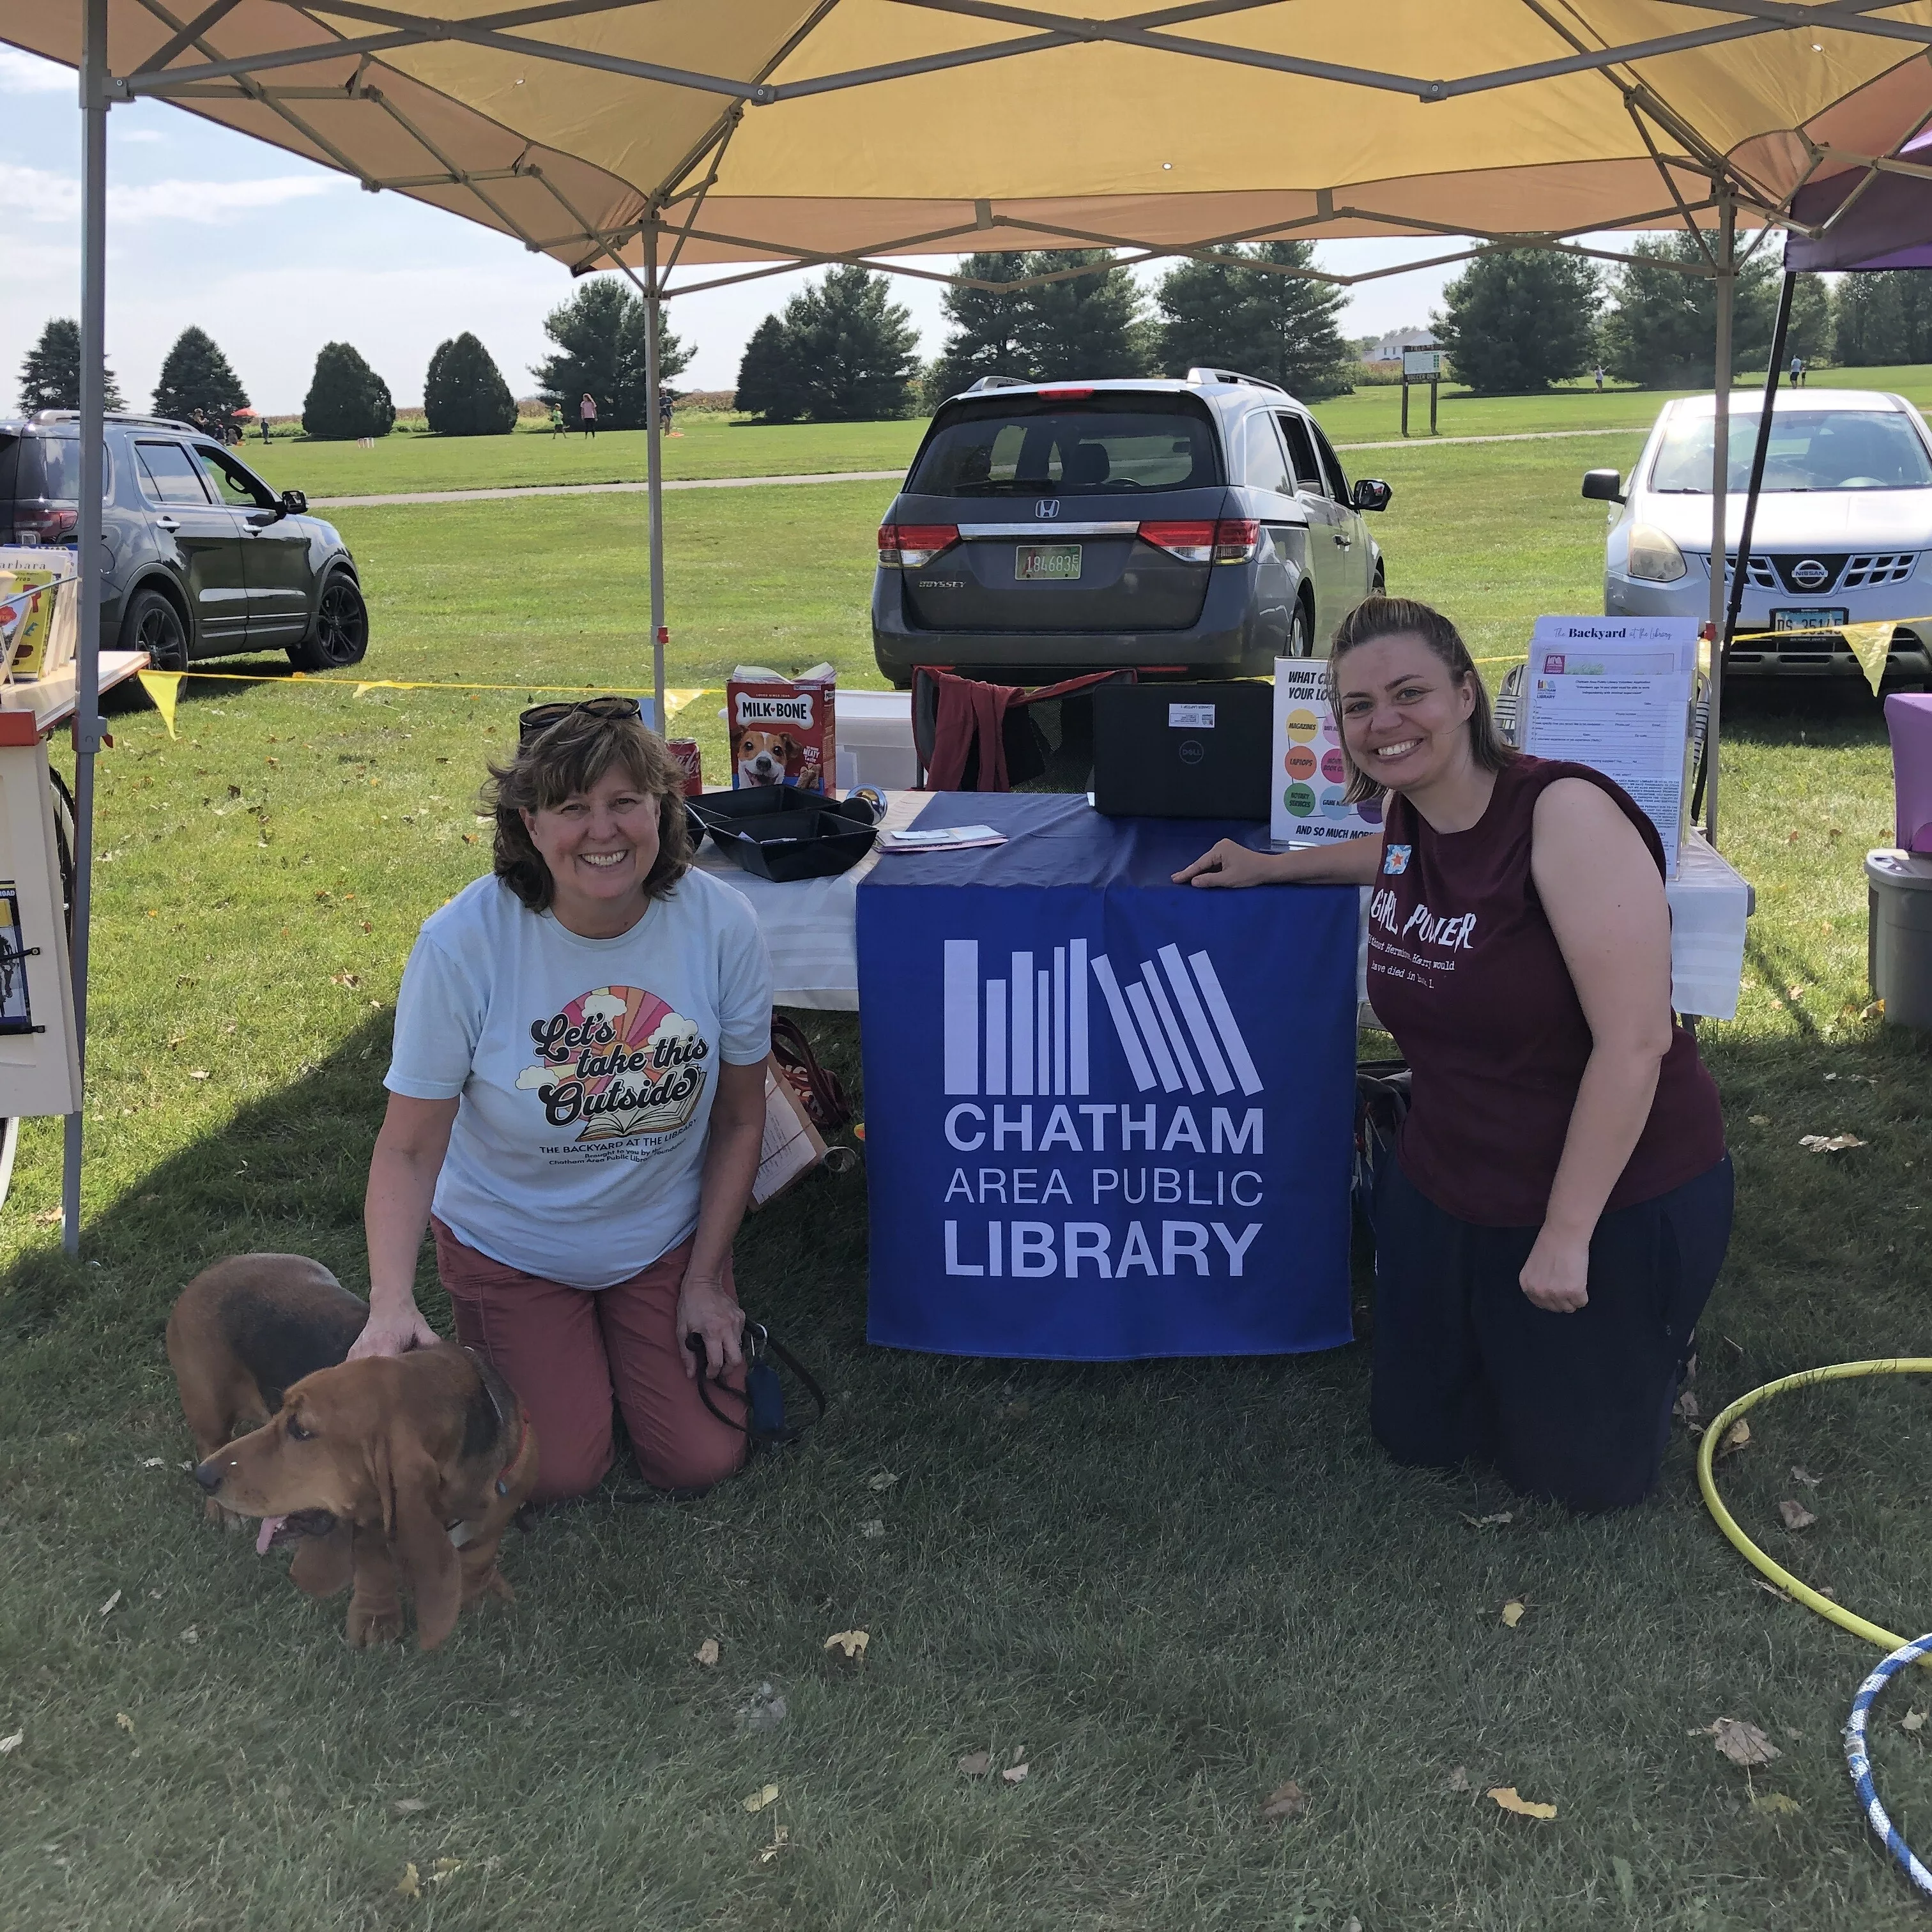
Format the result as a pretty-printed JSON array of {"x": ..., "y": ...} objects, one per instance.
[{"x": 1653, "y": 556}]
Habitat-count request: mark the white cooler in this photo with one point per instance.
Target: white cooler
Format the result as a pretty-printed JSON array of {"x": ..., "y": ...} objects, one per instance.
[{"x": 875, "y": 734}]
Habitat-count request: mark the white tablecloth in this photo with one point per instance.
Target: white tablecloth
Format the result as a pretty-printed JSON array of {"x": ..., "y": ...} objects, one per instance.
[{"x": 810, "y": 926}]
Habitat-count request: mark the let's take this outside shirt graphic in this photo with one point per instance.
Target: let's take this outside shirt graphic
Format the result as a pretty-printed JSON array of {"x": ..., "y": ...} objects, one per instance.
[{"x": 617, "y": 1064}]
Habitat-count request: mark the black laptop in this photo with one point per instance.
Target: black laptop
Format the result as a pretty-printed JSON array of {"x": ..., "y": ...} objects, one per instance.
[{"x": 1183, "y": 751}]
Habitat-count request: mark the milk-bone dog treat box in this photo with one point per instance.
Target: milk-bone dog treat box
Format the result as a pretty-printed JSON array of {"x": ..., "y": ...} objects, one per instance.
[{"x": 781, "y": 727}]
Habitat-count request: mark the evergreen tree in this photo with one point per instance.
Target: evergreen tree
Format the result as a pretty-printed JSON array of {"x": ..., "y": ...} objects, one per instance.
[
  {"x": 197, "y": 375},
  {"x": 843, "y": 352},
  {"x": 1660, "y": 328},
  {"x": 50, "y": 375},
  {"x": 1280, "y": 327},
  {"x": 346, "y": 399},
  {"x": 599, "y": 334},
  {"x": 984, "y": 340},
  {"x": 1087, "y": 325},
  {"x": 1520, "y": 320},
  {"x": 464, "y": 393},
  {"x": 769, "y": 381}
]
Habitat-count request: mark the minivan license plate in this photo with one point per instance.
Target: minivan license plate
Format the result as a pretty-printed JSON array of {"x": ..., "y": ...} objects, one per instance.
[
  {"x": 1808, "y": 620},
  {"x": 1033, "y": 561}
]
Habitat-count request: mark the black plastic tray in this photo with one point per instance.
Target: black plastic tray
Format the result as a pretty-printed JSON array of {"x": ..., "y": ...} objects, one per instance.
[{"x": 787, "y": 834}]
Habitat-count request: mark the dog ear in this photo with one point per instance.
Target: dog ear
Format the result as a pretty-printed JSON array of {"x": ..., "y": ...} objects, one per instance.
[{"x": 410, "y": 1485}]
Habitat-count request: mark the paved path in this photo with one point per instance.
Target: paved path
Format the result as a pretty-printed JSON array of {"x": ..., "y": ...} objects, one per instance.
[{"x": 854, "y": 475}]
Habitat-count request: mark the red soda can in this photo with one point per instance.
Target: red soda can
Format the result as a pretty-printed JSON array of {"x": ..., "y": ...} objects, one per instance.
[{"x": 685, "y": 750}]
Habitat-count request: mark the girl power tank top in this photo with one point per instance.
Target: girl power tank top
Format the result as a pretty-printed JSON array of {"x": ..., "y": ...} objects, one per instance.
[{"x": 1464, "y": 969}]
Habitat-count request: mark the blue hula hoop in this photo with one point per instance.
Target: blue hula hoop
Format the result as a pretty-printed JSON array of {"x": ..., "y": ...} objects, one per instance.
[{"x": 1859, "y": 1763}]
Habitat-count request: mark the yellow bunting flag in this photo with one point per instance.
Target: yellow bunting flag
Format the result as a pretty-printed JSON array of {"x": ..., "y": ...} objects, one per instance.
[
  {"x": 163, "y": 689},
  {"x": 1871, "y": 645}
]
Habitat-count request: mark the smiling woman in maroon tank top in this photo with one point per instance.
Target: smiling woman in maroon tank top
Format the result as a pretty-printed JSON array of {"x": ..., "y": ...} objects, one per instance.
[{"x": 1559, "y": 1201}]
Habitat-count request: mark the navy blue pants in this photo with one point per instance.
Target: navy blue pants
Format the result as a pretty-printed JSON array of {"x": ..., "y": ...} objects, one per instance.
[{"x": 1576, "y": 1407}]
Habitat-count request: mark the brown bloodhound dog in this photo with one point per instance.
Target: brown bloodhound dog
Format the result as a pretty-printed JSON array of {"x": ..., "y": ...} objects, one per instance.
[{"x": 409, "y": 1465}]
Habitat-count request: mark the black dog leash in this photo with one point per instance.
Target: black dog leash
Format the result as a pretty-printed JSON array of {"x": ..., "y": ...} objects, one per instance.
[{"x": 763, "y": 1395}]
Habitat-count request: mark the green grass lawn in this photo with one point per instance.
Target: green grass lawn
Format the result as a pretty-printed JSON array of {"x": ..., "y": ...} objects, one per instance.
[
  {"x": 1175, "y": 1585},
  {"x": 709, "y": 444}
]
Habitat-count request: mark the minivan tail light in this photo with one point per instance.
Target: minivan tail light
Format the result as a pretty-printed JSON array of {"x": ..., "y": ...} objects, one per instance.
[
  {"x": 1067, "y": 395},
  {"x": 1227, "y": 540},
  {"x": 913, "y": 546}
]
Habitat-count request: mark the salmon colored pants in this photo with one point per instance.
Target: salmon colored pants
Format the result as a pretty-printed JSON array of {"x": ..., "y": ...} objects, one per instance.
[{"x": 577, "y": 1356}]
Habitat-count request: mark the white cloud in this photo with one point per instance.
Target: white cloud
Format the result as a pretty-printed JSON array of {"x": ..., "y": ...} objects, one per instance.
[
  {"x": 27, "y": 74},
  {"x": 37, "y": 194}
]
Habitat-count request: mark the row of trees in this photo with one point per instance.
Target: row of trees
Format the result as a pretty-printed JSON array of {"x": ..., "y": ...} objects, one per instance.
[
  {"x": 842, "y": 350},
  {"x": 1530, "y": 317}
]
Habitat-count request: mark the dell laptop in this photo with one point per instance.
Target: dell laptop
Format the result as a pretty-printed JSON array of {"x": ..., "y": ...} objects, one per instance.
[{"x": 1183, "y": 750}]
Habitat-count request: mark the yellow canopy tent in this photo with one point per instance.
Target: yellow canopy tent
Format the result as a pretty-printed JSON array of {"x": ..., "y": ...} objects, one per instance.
[{"x": 662, "y": 136}]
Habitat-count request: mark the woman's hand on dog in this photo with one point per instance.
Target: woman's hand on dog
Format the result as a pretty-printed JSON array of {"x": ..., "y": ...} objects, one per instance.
[
  {"x": 393, "y": 1331},
  {"x": 704, "y": 1308}
]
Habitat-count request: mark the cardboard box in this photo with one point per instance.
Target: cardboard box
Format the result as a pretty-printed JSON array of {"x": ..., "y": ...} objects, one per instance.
[{"x": 783, "y": 729}]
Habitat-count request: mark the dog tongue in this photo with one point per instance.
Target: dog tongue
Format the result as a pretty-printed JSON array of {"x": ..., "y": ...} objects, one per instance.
[{"x": 265, "y": 1535}]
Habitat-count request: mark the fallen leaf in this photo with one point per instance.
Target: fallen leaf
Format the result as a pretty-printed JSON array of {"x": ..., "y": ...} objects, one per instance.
[
  {"x": 1686, "y": 1408},
  {"x": 12, "y": 1744},
  {"x": 1506, "y": 1798},
  {"x": 404, "y": 1807},
  {"x": 1495, "y": 1522},
  {"x": 1875, "y": 1011},
  {"x": 1513, "y": 1613},
  {"x": 345, "y": 979},
  {"x": 445, "y": 1868},
  {"x": 1772, "y": 1590},
  {"x": 126, "y": 1722},
  {"x": 873, "y": 1528},
  {"x": 48, "y": 1217},
  {"x": 780, "y": 1837},
  {"x": 884, "y": 1479},
  {"x": 190, "y": 1635},
  {"x": 154, "y": 1462},
  {"x": 1287, "y": 1801},
  {"x": 200, "y": 1073},
  {"x": 1776, "y": 1803},
  {"x": 1015, "y": 1774},
  {"x": 853, "y": 1642},
  {"x": 767, "y": 1709},
  {"x": 1458, "y": 1778},
  {"x": 409, "y": 1885},
  {"x": 1743, "y": 1744},
  {"x": 976, "y": 1764},
  {"x": 1912, "y": 1720},
  {"x": 767, "y": 1794},
  {"x": 706, "y": 1653},
  {"x": 110, "y": 1603},
  {"x": 1018, "y": 1756},
  {"x": 1798, "y": 1475},
  {"x": 1796, "y": 1515},
  {"x": 1829, "y": 1143},
  {"x": 1759, "y": 1119},
  {"x": 1738, "y": 1436}
]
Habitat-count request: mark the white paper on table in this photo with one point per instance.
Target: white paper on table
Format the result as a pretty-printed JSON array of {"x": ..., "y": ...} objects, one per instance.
[
  {"x": 1309, "y": 775},
  {"x": 1615, "y": 694}
]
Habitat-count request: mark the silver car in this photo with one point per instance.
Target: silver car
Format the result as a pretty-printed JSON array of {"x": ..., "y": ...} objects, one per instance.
[{"x": 1844, "y": 526}]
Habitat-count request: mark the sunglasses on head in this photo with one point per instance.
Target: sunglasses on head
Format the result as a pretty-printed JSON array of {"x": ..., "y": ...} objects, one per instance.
[{"x": 539, "y": 718}]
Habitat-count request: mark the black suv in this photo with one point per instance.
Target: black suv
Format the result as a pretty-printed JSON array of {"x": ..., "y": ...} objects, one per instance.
[
  {"x": 1203, "y": 526},
  {"x": 203, "y": 559}
]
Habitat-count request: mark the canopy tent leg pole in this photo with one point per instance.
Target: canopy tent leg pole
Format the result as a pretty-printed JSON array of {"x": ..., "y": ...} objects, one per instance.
[
  {"x": 654, "y": 471},
  {"x": 87, "y": 665},
  {"x": 1721, "y": 472},
  {"x": 1741, "y": 572}
]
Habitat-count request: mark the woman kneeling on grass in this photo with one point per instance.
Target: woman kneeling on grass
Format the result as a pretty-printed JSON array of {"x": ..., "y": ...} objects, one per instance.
[
  {"x": 1559, "y": 1203},
  {"x": 577, "y": 1093}
]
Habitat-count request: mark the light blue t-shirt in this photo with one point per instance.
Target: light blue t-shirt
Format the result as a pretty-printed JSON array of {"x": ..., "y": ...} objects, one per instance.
[{"x": 585, "y": 1070}]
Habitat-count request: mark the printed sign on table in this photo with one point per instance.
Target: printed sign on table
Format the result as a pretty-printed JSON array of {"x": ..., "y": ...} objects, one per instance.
[
  {"x": 1615, "y": 694},
  {"x": 1310, "y": 775},
  {"x": 1107, "y": 1123}
]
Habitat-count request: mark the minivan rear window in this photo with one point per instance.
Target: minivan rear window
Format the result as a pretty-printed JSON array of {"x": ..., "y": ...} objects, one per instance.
[{"x": 1018, "y": 445}]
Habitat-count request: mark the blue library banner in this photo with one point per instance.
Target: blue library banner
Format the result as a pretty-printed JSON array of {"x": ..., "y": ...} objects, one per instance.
[{"x": 1106, "y": 1117}]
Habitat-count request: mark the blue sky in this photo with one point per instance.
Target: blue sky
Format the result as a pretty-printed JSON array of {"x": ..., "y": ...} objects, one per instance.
[{"x": 274, "y": 257}]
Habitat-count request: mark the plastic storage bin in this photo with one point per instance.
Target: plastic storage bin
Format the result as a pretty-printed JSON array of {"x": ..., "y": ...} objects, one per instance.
[
  {"x": 1899, "y": 945},
  {"x": 875, "y": 746},
  {"x": 1908, "y": 717}
]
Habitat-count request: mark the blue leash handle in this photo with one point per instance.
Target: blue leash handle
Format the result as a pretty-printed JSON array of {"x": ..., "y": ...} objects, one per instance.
[{"x": 1859, "y": 1763}]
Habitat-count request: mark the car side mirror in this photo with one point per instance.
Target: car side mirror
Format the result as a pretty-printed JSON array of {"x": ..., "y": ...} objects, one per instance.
[
  {"x": 1603, "y": 486},
  {"x": 1370, "y": 493},
  {"x": 294, "y": 503}
]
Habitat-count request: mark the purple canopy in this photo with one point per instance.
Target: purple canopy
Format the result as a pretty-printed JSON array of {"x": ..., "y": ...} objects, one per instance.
[{"x": 1889, "y": 226}]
